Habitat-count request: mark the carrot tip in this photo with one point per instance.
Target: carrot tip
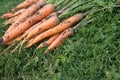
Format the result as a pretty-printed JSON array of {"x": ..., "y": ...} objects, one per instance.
[{"x": 1, "y": 39}]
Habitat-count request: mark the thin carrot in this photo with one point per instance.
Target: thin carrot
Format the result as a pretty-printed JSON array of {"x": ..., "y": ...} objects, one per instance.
[
  {"x": 26, "y": 3},
  {"x": 28, "y": 12},
  {"x": 18, "y": 12},
  {"x": 7, "y": 15},
  {"x": 11, "y": 14},
  {"x": 57, "y": 29},
  {"x": 42, "y": 13},
  {"x": 60, "y": 38},
  {"x": 48, "y": 42},
  {"x": 11, "y": 20},
  {"x": 65, "y": 34},
  {"x": 49, "y": 23}
]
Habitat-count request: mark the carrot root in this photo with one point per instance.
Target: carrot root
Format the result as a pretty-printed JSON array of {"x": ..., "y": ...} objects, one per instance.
[{"x": 57, "y": 29}]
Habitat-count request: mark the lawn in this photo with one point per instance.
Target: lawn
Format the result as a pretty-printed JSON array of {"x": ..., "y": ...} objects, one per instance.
[{"x": 92, "y": 53}]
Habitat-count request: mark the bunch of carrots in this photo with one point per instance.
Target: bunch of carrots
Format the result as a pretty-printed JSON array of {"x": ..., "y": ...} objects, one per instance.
[{"x": 37, "y": 21}]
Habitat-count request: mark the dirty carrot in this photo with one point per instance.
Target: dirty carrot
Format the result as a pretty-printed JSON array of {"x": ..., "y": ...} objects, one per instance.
[
  {"x": 57, "y": 29},
  {"x": 28, "y": 12},
  {"x": 7, "y": 15},
  {"x": 25, "y": 33},
  {"x": 26, "y": 3},
  {"x": 10, "y": 14},
  {"x": 60, "y": 38},
  {"x": 49, "y": 23},
  {"x": 18, "y": 12},
  {"x": 11, "y": 20},
  {"x": 48, "y": 42},
  {"x": 42, "y": 13},
  {"x": 65, "y": 34},
  {"x": 38, "y": 24}
]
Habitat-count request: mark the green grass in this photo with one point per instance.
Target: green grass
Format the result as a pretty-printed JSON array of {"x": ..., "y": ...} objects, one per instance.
[{"x": 92, "y": 53}]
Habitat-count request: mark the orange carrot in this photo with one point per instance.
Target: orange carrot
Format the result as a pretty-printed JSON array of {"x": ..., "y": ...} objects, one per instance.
[
  {"x": 7, "y": 15},
  {"x": 57, "y": 29},
  {"x": 48, "y": 42},
  {"x": 49, "y": 23},
  {"x": 27, "y": 3},
  {"x": 25, "y": 33},
  {"x": 42, "y": 13},
  {"x": 65, "y": 34},
  {"x": 60, "y": 38},
  {"x": 39, "y": 24},
  {"x": 18, "y": 12},
  {"x": 28, "y": 12},
  {"x": 11, "y": 20},
  {"x": 10, "y": 14}
]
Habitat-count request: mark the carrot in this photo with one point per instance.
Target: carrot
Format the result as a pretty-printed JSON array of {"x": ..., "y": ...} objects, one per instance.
[
  {"x": 11, "y": 20},
  {"x": 57, "y": 29},
  {"x": 18, "y": 12},
  {"x": 60, "y": 38},
  {"x": 7, "y": 15},
  {"x": 10, "y": 14},
  {"x": 48, "y": 42},
  {"x": 65, "y": 34},
  {"x": 28, "y": 12},
  {"x": 42, "y": 13},
  {"x": 25, "y": 33},
  {"x": 39, "y": 24},
  {"x": 27, "y": 3},
  {"x": 49, "y": 23}
]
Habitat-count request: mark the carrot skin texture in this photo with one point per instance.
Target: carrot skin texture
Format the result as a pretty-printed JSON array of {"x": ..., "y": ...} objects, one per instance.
[
  {"x": 49, "y": 8},
  {"x": 39, "y": 23},
  {"x": 51, "y": 22},
  {"x": 27, "y": 3},
  {"x": 18, "y": 13},
  {"x": 30, "y": 11},
  {"x": 7, "y": 15},
  {"x": 11, "y": 20},
  {"x": 60, "y": 38},
  {"x": 49, "y": 41},
  {"x": 57, "y": 29}
]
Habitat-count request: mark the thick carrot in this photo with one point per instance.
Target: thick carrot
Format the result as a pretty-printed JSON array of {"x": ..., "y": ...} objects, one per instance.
[
  {"x": 60, "y": 38},
  {"x": 48, "y": 42},
  {"x": 42, "y": 13},
  {"x": 25, "y": 33},
  {"x": 28, "y": 12},
  {"x": 57, "y": 29},
  {"x": 7, "y": 15},
  {"x": 27, "y": 3},
  {"x": 49, "y": 23}
]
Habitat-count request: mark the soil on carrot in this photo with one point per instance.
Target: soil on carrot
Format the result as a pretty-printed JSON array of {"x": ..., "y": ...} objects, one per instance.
[{"x": 92, "y": 53}]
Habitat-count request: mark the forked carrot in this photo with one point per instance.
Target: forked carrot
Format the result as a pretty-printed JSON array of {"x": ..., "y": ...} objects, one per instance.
[
  {"x": 48, "y": 42},
  {"x": 26, "y": 3},
  {"x": 60, "y": 38},
  {"x": 49, "y": 23},
  {"x": 28, "y": 12},
  {"x": 42, "y": 13},
  {"x": 57, "y": 29}
]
